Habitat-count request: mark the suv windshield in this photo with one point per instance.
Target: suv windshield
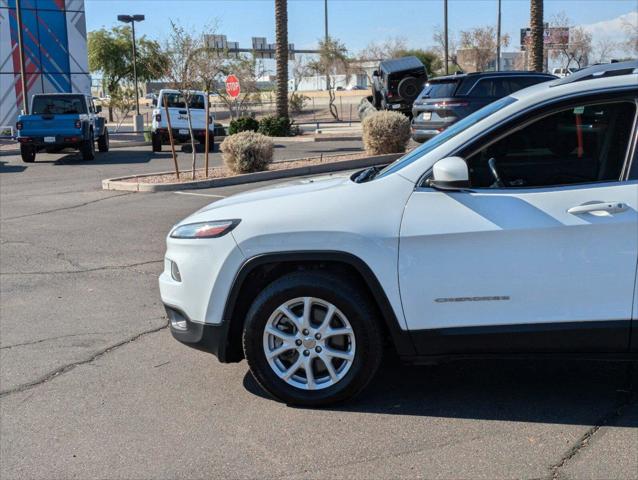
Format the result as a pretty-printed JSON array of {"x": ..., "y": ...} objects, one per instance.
[
  {"x": 443, "y": 137},
  {"x": 58, "y": 105},
  {"x": 176, "y": 100}
]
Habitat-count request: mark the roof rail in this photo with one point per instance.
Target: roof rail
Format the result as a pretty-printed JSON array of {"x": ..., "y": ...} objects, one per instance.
[{"x": 600, "y": 71}]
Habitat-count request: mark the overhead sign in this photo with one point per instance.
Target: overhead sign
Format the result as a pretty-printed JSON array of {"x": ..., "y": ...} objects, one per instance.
[
  {"x": 232, "y": 86},
  {"x": 553, "y": 37}
]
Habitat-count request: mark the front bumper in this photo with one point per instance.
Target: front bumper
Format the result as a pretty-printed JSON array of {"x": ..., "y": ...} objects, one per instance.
[{"x": 201, "y": 336}]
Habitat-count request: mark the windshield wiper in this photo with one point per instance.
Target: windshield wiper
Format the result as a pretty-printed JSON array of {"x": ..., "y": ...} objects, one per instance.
[{"x": 368, "y": 174}]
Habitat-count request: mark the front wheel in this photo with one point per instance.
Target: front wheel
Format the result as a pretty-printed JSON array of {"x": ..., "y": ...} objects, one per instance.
[
  {"x": 312, "y": 339},
  {"x": 27, "y": 153}
]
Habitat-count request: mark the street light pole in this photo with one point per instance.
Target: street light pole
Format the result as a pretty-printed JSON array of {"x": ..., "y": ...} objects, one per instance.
[
  {"x": 23, "y": 78},
  {"x": 498, "y": 38},
  {"x": 447, "y": 70},
  {"x": 132, "y": 19},
  {"x": 137, "y": 100}
]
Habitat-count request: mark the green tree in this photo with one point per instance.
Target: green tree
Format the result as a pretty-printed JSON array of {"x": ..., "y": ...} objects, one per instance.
[
  {"x": 333, "y": 60},
  {"x": 110, "y": 55},
  {"x": 430, "y": 59}
]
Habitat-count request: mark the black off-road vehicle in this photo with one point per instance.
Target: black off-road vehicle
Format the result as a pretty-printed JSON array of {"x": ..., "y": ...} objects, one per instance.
[{"x": 397, "y": 84}]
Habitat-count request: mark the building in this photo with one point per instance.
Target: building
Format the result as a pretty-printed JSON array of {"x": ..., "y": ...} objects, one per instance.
[{"x": 55, "y": 52}]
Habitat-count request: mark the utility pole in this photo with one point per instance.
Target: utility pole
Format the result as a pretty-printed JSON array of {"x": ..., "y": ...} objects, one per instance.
[
  {"x": 446, "y": 55},
  {"x": 498, "y": 38},
  {"x": 23, "y": 78},
  {"x": 325, "y": 29}
]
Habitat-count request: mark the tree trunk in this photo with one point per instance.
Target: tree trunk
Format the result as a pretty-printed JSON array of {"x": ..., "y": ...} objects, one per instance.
[
  {"x": 281, "y": 54},
  {"x": 190, "y": 130},
  {"x": 536, "y": 26}
]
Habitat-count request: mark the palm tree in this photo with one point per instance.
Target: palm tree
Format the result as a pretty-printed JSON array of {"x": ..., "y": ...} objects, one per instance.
[
  {"x": 281, "y": 54},
  {"x": 536, "y": 26}
]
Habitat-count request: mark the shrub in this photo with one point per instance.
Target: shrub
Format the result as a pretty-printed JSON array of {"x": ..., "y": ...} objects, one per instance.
[
  {"x": 297, "y": 103},
  {"x": 247, "y": 152},
  {"x": 275, "y": 126},
  {"x": 243, "y": 124},
  {"x": 385, "y": 132}
]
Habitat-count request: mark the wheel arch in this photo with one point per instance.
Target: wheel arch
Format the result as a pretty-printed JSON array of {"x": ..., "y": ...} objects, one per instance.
[{"x": 260, "y": 270}]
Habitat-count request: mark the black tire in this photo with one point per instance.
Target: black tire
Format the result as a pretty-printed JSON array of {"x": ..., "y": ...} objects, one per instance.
[
  {"x": 156, "y": 142},
  {"x": 27, "y": 153},
  {"x": 376, "y": 98},
  {"x": 103, "y": 141},
  {"x": 351, "y": 301},
  {"x": 88, "y": 147},
  {"x": 409, "y": 88}
]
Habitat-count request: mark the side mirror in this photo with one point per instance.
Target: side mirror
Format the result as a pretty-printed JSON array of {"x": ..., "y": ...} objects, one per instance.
[
  {"x": 450, "y": 173},
  {"x": 154, "y": 102},
  {"x": 98, "y": 108},
  {"x": 375, "y": 73}
]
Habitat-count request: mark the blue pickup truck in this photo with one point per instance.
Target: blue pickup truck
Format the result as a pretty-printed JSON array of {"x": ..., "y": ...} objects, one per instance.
[{"x": 62, "y": 120}]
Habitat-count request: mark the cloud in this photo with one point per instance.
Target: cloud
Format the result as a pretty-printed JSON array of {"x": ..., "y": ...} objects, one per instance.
[{"x": 612, "y": 29}]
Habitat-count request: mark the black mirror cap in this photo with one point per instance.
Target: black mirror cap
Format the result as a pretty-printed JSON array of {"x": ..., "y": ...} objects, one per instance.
[
  {"x": 375, "y": 73},
  {"x": 448, "y": 186},
  {"x": 98, "y": 108}
]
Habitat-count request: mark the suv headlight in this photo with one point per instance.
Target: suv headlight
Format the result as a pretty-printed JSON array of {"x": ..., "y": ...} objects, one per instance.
[{"x": 204, "y": 229}]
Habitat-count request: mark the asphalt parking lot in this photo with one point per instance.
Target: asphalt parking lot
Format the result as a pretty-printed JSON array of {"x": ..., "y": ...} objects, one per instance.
[{"x": 94, "y": 386}]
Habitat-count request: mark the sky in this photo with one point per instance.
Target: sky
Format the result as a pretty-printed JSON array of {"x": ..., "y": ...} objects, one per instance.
[{"x": 355, "y": 22}]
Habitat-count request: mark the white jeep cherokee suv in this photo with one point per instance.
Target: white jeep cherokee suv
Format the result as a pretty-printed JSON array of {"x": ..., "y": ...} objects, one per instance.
[{"x": 513, "y": 232}]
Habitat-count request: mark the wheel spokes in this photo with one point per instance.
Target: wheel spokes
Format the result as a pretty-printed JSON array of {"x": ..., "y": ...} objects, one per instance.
[{"x": 332, "y": 352}]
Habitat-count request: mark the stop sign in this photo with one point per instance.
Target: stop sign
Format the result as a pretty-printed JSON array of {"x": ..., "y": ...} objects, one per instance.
[{"x": 232, "y": 86}]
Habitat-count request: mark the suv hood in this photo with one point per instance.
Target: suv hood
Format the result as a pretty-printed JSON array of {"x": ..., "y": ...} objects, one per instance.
[{"x": 294, "y": 188}]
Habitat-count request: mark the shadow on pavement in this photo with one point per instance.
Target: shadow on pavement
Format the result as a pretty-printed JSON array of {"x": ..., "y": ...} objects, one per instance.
[
  {"x": 337, "y": 150},
  {"x": 119, "y": 156},
  {"x": 5, "y": 168},
  {"x": 560, "y": 392}
]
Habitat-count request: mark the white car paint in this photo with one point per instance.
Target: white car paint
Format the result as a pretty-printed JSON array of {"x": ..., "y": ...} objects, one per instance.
[{"x": 424, "y": 244}]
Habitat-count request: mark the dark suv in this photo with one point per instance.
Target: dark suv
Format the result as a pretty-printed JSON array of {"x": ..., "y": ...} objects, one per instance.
[
  {"x": 445, "y": 100},
  {"x": 397, "y": 83}
]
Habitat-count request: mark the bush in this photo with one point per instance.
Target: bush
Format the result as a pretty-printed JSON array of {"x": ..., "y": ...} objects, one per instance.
[
  {"x": 385, "y": 132},
  {"x": 247, "y": 152},
  {"x": 275, "y": 126},
  {"x": 297, "y": 103},
  {"x": 245, "y": 124}
]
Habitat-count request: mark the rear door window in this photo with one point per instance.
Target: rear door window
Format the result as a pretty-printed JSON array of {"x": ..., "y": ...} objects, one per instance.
[
  {"x": 518, "y": 83},
  {"x": 490, "y": 87}
]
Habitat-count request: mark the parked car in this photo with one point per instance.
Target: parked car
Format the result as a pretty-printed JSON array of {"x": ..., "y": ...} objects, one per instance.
[
  {"x": 62, "y": 120},
  {"x": 179, "y": 119},
  {"x": 563, "y": 72},
  {"x": 446, "y": 100},
  {"x": 512, "y": 233},
  {"x": 397, "y": 83}
]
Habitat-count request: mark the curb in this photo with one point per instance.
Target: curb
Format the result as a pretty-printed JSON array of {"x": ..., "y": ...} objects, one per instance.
[{"x": 119, "y": 183}]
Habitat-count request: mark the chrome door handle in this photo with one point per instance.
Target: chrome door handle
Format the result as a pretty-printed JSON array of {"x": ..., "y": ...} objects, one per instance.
[{"x": 609, "y": 207}]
